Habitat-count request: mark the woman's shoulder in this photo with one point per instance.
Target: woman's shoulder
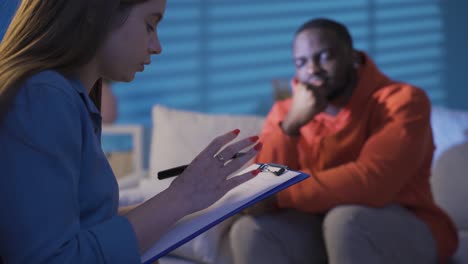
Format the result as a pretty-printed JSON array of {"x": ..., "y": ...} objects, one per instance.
[
  {"x": 48, "y": 78},
  {"x": 46, "y": 90},
  {"x": 46, "y": 83}
]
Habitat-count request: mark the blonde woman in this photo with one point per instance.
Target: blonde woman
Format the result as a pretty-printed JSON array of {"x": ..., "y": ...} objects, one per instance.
[{"x": 59, "y": 195}]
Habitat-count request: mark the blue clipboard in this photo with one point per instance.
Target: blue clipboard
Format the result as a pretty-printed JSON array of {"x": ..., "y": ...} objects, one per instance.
[{"x": 272, "y": 170}]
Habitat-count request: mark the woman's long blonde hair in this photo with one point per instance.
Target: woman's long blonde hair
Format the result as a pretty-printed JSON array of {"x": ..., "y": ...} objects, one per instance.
[{"x": 55, "y": 34}]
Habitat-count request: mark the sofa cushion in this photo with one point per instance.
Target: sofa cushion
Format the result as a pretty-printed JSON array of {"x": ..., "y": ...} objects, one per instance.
[
  {"x": 461, "y": 256},
  {"x": 178, "y": 136},
  {"x": 450, "y": 127},
  {"x": 449, "y": 172},
  {"x": 449, "y": 183}
]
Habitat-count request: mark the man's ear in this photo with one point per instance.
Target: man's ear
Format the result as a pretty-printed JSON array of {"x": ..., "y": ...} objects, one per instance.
[{"x": 358, "y": 59}]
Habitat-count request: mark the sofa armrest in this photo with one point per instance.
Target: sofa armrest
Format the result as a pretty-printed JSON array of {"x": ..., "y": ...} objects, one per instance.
[{"x": 126, "y": 159}]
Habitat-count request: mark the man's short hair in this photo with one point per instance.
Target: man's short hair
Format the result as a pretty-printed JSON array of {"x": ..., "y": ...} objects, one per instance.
[{"x": 328, "y": 24}]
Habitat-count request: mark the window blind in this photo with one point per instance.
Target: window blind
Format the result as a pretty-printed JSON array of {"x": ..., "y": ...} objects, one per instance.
[{"x": 222, "y": 55}]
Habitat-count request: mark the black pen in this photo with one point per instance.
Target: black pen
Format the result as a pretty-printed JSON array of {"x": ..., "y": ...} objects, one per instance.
[{"x": 178, "y": 170}]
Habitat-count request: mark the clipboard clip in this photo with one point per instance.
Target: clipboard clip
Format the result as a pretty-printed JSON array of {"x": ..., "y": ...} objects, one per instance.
[{"x": 276, "y": 169}]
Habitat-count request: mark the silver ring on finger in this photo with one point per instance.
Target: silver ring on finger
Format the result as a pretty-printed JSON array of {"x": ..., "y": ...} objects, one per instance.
[{"x": 221, "y": 159}]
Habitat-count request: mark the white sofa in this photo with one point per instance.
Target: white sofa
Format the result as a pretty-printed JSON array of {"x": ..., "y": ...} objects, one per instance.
[{"x": 179, "y": 135}]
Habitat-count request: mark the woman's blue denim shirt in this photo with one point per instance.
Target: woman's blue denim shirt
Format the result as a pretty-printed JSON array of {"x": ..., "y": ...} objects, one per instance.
[{"x": 59, "y": 197}]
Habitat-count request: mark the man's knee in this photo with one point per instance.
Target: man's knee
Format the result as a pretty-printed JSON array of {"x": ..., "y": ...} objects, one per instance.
[
  {"x": 250, "y": 239},
  {"x": 242, "y": 227},
  {"x": 346, "y": 223},
  {"x": 248, "y": 231},
  {"x": 347, "y": 239},
  {"x": 344, "y": 217}
]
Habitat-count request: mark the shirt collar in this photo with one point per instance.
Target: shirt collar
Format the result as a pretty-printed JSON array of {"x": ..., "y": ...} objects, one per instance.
[{"x": 79, "y": 87}]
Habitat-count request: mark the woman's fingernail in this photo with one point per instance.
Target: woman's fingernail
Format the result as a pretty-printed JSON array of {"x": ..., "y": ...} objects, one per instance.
[
  {"x": 258, "y": 146},
  {"x": 256, "y": 172},
  {"x": 236, "y": 131},
  {"x": 254, "y": 138}
]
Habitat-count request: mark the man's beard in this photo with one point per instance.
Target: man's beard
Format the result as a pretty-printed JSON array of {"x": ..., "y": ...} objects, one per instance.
[
  {"x": 342, "y": 89},
  {"x": 336, "y": 93}
]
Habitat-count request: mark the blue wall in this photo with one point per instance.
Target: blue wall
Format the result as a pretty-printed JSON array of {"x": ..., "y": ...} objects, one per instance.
[
  {"x": 456, "y": 48},
  {"x": 7, "y": 8},
  {"x": 221, "y": 55}
]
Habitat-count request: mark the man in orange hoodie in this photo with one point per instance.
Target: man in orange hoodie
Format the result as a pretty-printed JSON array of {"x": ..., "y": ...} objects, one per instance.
[{"x": 367, "y": 143}]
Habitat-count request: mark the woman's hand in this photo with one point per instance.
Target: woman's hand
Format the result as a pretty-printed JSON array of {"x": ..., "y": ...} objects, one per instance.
[
  {"x": 206, "y": 179},
  {"x": 202, "y": 183}
]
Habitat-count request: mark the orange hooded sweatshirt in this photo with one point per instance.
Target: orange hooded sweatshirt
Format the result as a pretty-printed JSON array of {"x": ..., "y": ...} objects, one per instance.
[{"x": 377, "y": 150}]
